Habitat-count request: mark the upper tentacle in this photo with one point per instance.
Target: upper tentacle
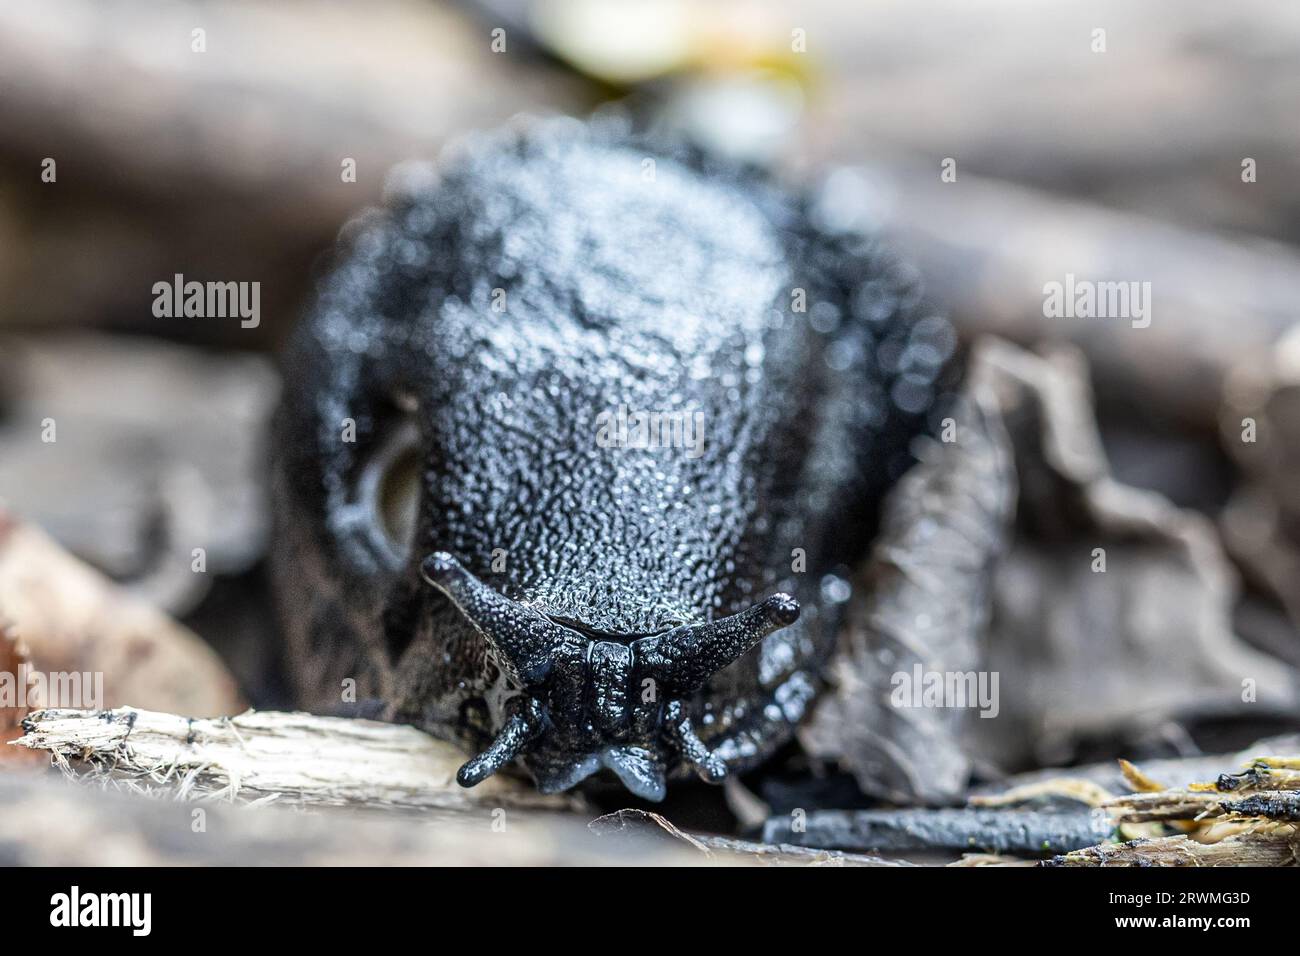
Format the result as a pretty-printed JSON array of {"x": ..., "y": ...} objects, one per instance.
[
  {"x": 527, "y": 643},
  {"x": 684, "y": 658}
]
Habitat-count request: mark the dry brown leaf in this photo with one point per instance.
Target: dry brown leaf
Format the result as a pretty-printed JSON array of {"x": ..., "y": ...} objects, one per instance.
[
  {"x": 75, "y": 623},
  {"x": 13, "y": 662}
]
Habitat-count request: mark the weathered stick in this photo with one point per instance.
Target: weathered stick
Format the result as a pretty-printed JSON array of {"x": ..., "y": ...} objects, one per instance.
[
  {"x": 287, "y": 757},
  {"x": 988, "y": 248},
  {"x": 1160, "y": 120},
  {"x": 993, "y": 831},
  {"x": 161, "y": 146}
]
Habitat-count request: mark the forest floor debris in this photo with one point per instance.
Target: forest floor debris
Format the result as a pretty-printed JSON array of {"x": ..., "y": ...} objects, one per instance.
[
  {"x": 289, "y": 758},
  {"x": 1246, "y": 815}
]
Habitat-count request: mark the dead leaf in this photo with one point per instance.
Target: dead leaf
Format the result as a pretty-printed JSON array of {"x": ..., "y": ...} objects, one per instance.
[
  {"x": 83, "y": 634},
  {"x": 921, "y": 603},
  {"x": 13, "y": 664}
]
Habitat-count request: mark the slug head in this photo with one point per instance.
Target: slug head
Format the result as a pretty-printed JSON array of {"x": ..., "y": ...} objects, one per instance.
[{"x": 585, "y": 703}]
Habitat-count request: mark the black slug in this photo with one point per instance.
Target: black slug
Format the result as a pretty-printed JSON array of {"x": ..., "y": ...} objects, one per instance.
[{"x": 574, "y": 443}]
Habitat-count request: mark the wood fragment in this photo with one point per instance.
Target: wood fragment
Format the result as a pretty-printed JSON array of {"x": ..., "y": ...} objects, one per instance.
[
  {"x": 264, "y": 755},
  {"x": 643, "y": 822},
  {"x": 991, "y": 859},
  {"x": 1246, "y": 849},
  {"x": 1162, "y": 805},
  {"x": 787, "y": 854}
]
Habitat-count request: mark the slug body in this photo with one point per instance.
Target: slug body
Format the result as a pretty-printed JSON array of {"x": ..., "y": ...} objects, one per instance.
[{"x": 573, "y": 443}]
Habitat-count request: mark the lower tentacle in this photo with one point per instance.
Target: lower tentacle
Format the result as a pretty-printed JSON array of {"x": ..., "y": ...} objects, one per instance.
[
  {"x": 681, "y": 734},
  {"x": 522, "y": 727}
]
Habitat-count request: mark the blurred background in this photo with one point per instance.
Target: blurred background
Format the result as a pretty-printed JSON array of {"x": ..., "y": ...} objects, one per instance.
[{"x": 1003, "y": 143}]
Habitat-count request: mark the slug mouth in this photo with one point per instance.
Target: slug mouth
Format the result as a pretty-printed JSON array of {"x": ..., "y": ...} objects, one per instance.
[{"x": 583, "y": 692}]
